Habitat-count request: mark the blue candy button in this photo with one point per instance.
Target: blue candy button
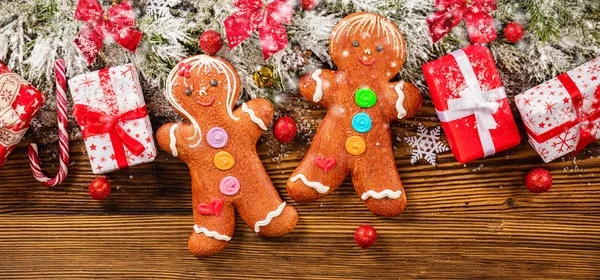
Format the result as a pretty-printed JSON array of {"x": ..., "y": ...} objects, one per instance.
[{"x": 361, "y": 122}]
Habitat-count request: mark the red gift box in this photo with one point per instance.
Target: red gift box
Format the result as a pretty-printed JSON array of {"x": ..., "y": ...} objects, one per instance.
[
  {"x": 471, "y": 103},
  {"x": 19, "y": 103}
]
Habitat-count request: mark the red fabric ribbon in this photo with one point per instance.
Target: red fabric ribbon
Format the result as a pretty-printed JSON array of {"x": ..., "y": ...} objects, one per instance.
[
  {"x": 94, "y": 123},
  {"x": 119, "y": 23},
  {"x": 268, "y": 20},
  {"x": 480, "y": 23},
  {"x": 587, "y": 114}
]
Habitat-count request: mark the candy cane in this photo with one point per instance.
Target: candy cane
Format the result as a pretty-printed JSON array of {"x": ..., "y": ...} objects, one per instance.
[{"x": 61, "y": 102}]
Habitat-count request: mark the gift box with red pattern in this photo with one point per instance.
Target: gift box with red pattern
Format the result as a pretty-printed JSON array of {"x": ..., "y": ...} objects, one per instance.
[
  {"x": 111, "y": 111},
  {"x": 19, "y": 103},
  {"x": 471, "y": 103},
  {"x": 562, "y": 115}
]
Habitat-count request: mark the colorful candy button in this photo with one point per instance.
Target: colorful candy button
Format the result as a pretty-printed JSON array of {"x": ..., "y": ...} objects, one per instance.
[
  {"x": 355, "y": 145},
  {"x": 229, "y": 185},
  {"x": 361, "y": 122},
  {"x": 217, "y": 137},
  {"x": 365, "y": 97},
  {"x": 223, "y": 160}
]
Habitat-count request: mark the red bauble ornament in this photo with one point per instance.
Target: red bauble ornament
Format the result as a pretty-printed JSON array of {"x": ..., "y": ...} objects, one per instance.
[
  {"x": 309, "y": 5},
  {"x": 285, "y": 129},
  {"x": 211, "y": 42},
  {"x": 514, "y": 32},
  {"x": 99, "y": 188},
  {"x": 538, "y": 180},
  {"x": 365, "y": 236}
]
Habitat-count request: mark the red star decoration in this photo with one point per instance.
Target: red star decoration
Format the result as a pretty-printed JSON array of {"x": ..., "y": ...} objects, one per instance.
[
  {"x": 104, "y": 148},
  {"x": 93, "y": 147},
  {"x": 566, "y": 100},
  {"x": 92, "y": 158},
  {"x": 542, "y": 125},
  {"x": 148, "y": 139},
  {"x": 137, "y": 135},
  {"x": 594, "y": 78},
  {"x": 129, "y": 130},
  {"x": 527, "y": 101},
  {"x": 552, "y": 93},
  {"x": 150, "y": 155},
  {"x": 113, "y": 157},
  {"x": 99, "y": 167},
  {"x": 547, "y": 118}
]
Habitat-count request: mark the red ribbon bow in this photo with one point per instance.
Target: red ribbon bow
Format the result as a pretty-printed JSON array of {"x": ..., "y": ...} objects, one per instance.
[
  {"x": 268, "y": 20},
  {"x": 119, "y": 23},
  {"x": 480, "y": 23},
  {"x": 94, "y": 123}
]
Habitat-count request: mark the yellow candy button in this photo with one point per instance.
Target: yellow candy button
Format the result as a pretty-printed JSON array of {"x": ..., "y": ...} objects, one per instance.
[
  {"x": 355, "y": 145},
  {"x": 223, "y": 160}
]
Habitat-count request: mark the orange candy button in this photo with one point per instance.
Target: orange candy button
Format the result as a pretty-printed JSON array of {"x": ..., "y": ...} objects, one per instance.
[{"x": 355, "y": 145}]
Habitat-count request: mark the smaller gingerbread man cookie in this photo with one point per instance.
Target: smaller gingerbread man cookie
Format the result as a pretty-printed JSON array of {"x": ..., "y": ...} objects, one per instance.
[
  {"x": 218, "y": 144},
  {"x": 354, "y": 137}
]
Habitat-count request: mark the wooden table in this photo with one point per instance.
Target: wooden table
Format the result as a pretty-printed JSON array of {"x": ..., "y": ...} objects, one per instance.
[{"x": 462, "y": 221}]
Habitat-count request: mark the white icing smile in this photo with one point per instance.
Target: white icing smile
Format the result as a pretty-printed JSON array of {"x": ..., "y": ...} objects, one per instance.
[
  {"x": 269, "y": 218},
  {"x": 212, "y": 234},
  {"x": 379, "y": 195},
  {"x": 315, "y": 185}
]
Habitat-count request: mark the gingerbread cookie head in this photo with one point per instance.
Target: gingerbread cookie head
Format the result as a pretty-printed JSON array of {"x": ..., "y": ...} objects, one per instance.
[
  {"x": 201, "y": 86},
  {"x": 367, "y": 41}
]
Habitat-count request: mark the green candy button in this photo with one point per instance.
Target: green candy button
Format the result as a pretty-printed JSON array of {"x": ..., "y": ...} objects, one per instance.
[{"x": 365, "y": 97}]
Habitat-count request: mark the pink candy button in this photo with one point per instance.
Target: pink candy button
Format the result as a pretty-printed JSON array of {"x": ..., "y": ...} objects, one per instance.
[{"x": 229, "y": 185}]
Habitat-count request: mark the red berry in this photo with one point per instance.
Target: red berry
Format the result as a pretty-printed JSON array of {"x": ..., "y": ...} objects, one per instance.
[
  {"x": 538, "y": 180},
  {"x": 99, "y": 188},
  {"x": 365, "y": 236},
  {"x": 514, "y": 32},
  {"x": 309, "y": 5},
  {"x": 211, "y": 42},
  {"x": 284, "y": 129}
]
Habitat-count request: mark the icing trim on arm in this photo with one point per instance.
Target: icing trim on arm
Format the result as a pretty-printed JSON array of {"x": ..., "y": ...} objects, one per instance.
[
  {"x": 253, "y": 116},
  {"x": 212, "y": 234},
  {"x": 319, "y": 89},
  {"x": 379, "y": 195},
  {"x": 315, "y": 185},
  {"x": 269, "y": 218},
  {"x": 173, "y": 140},
  {"x": 399, "y": 108}
]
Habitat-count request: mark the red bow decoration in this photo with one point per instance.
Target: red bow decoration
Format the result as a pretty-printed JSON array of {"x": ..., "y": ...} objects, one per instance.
[
  {"x": 268, "y": 20},
  {"x": 480, "y": 23},
  {"x": 119, "y": 23},
  {"x": 94, "y": 123}
]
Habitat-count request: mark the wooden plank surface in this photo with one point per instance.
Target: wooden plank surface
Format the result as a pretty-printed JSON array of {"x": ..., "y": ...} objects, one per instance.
[{"x": 462, "y": 221}]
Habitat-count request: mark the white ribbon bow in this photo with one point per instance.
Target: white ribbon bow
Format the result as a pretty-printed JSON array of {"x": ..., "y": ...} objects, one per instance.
[{"x": 474, "y": 101}]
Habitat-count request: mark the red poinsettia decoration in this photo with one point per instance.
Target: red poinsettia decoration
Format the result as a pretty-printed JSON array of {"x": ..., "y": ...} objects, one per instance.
[
  {"x": 267, "y": 19},
  {"x": 118, "y": 23}
]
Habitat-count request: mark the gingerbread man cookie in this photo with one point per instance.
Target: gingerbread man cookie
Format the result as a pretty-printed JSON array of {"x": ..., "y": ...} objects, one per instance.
[
  {"x": 354, "y": 137},
  {"x": 218, "y": 143}
]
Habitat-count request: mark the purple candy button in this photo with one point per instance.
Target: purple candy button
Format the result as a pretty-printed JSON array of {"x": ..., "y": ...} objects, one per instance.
[{"x": 217, "y": 137}]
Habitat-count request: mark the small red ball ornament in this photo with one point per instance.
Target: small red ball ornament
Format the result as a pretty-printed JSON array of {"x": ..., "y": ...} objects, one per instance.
[
  {"x": 211, "y": 42},
  {"x": 538, "y": 180},
  {"x": 514, "y": 32},
  {"x": 365, "y": 236},
  {"x": 99, "y": 188},
  {"x": 309, "y": 5},
  {"x": 285, "y": 129}
]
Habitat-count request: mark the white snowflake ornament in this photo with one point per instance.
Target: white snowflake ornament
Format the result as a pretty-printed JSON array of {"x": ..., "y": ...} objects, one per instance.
[
  {"x": 161, "y": 8},
  {"x": 426, "y": 144}
]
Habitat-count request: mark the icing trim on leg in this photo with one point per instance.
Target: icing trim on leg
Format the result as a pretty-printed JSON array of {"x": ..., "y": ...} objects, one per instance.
[
  {"x": 379, "y": 195},
  {"x": 315, "y": 185},
  {"x": 212, "y": 234},
  {"x": 269, "y": 218},
  {"x": 253, "y": 116}
]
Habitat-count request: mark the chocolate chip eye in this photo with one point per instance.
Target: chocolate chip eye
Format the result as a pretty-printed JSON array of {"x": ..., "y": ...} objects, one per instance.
[
  {"x": 188, "y": 92},
  {"x": 355, "y": 43},
  {"x": 214, "y": 83},
  {"x": 379, "y": 48}
]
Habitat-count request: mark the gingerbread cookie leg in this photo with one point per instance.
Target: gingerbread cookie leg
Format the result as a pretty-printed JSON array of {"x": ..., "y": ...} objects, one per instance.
[
  {"x": 318, "y": 174},
  {"x": 379, "y": 185},
  {"x": 214, "y": 224}
]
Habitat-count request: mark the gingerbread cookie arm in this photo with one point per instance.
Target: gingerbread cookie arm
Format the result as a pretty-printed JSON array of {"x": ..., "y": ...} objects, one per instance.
[
  {"x": 402, "y": 100},
  {"x": 172, "y": 138},
  {"x": 256, "y": 115},
  {"x": 318, "y": 87}
]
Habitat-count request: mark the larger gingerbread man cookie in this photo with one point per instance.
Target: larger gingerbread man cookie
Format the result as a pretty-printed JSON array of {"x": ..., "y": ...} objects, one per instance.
[
  {"x": 218, "y": 144},
  {"x": 354, "y": 137}
]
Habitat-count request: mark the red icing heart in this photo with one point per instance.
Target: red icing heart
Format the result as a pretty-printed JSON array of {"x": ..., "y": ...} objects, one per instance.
[
  {"x": 215, "y": 207},
  {"x": 325, "y": 163}
]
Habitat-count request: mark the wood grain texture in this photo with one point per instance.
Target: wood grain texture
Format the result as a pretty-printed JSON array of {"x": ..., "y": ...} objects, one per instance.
[{"x": 462, "y": 221}]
